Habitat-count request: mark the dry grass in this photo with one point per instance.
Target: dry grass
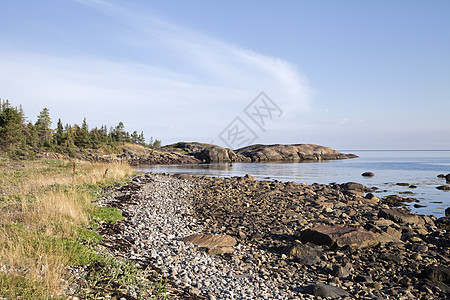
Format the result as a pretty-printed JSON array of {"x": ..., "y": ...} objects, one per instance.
[{"x": 42, "y": 206}]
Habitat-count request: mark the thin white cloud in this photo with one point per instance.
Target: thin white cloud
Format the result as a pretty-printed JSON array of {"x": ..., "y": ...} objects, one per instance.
[{"x": 193, "y": 83}]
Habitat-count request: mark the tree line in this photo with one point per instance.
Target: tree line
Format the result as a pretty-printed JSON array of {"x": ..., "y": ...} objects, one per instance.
[{"x": 16, "y": 132}]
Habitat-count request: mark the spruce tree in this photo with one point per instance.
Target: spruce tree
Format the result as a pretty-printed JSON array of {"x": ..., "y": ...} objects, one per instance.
[
  {"x": 11, "y": 127},
  {"x": 43, "y": 124}
]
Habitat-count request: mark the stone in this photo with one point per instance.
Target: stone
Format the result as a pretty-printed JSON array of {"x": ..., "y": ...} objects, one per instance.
[
  {"x": 340, "y": 235},
  {"x": 437, "y": 273},
  {"x": 340, "y": 271},
  {"x": 212, "y": 243},
  {"x": 400, "y": 216},
  {"x": 441, "y": 176},
  {"x": 249, "y": 177},
  {"x": 447, "y": 178},
  {"x": 443, "y": 187},
  {"x": 368, "y": 174},
  {"x": 447, "y": 212},
  {"x": 402, "y": 184},
  {"x": 324, "y": 290}
]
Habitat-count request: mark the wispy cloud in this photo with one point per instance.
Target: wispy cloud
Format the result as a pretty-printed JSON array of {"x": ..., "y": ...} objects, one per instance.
[{"x": 187, "y": 87}]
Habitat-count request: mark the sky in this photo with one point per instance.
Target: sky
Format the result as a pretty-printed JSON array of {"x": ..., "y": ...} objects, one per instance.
[{"x": 347, "y": 74}]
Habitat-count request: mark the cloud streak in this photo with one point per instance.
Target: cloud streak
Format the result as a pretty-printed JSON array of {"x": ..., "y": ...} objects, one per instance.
[{"x": 188, "y": 86}]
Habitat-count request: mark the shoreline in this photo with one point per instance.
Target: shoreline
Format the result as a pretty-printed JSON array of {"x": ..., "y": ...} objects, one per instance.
[{"x": 366, "y": 248}]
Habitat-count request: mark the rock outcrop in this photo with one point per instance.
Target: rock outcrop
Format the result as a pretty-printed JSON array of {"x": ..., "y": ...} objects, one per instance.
[
  {"x": 295, "y": 152},
  {"x": 208, "y": 153}
]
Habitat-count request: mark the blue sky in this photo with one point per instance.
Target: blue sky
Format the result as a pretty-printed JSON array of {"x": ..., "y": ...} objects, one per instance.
[{"x": 346, "y": 74}]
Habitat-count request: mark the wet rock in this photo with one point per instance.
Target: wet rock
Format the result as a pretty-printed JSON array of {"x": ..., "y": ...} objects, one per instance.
[
  {"x": 447, "y": 212},
  {"x": 443, "y": 187},
  {"x": 400, "y": 216},
  {"x": 402, "y": 184},
  {"x": 340, "y": 235},
  {"x": 441, "y": 176},
  {"x": 324, "y": 290},
  {"x": 368, "y": 174}
]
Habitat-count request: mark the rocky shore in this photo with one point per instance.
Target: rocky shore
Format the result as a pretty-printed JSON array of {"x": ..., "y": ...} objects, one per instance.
[{"x": 238, "y": 238}]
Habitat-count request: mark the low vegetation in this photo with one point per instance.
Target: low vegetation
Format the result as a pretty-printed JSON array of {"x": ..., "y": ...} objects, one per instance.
[{"x": 46, "y": 224}]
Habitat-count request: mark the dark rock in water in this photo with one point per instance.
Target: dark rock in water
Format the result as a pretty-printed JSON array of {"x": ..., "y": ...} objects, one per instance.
[
  {"x": 437, "y": 273},
  {"x": 447, "y": 212},
  {"x": 419, "y": 205},
  {"x": 447, "y": 178},
  {"x": 412, "y": 186},
  {"x": 443, "y": 187},
  {"x": 441, "y": 176},
  {"x": 400, "y": 216},
  {"x": 368, "y": 174},
  {"x": 402, "y": 184},
  {"x": 340, "y": 235},
  {"x": 324, "y": 290}
]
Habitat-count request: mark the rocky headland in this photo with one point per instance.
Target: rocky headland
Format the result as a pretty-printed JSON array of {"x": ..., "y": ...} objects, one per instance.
[
  {"x": 239, "y": 238},
  {"x": 188, "y": 153}
]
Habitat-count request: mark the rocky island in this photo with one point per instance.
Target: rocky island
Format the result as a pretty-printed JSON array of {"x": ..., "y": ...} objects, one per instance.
[{"x": 188, "y": 153}]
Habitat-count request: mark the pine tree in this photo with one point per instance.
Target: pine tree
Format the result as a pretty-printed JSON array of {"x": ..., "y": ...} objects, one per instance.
[
  {"x": 59, "y": 133},
  {"x": 11, "y": 127},
  {"x": 32, "y": 137},
  {"x": 134, "y": 137},
  {"x": 43, "y": 124}
]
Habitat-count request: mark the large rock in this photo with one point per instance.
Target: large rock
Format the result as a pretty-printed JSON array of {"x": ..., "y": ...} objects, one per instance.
[
  {"x": 447, "y": 178},
  {"x": 212, "y": 243},
  {"x": 340, "y": 235},
  {"x": 324, "y": 290},
  {"x": 400, "y": 216},
  {"x": 296, "y": 152}
]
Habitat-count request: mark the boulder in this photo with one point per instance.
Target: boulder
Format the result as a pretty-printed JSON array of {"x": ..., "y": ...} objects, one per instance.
[
  {"x": 400, "y": 216},
  {"x": 447, "y": 212},
  {"x": 443, "y": 187},
  {"x": 212, "y": 243},
  {"x": 447, "y": 178},
  {"x": 368, "y": 174},
  {"x": 324, "y": 290},
  {"x": 340, "y": 235}
]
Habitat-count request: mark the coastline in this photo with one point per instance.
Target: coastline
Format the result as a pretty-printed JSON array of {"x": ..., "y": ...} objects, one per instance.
[{"x": 367, "y": 248}]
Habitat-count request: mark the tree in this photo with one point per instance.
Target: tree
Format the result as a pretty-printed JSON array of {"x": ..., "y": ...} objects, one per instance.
[
  {"x": 43, "y": 124},
  {"x": 119, "y": 133},
  {"x": 59, "y": 133},
  {"x": 11, "y": 127},
  {"x": 134, "y": 137},
  {"x": 32, "y": 137}
]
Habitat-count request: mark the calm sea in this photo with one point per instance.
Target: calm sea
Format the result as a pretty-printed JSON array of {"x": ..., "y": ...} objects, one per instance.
[{"x": 419, "y": 168}]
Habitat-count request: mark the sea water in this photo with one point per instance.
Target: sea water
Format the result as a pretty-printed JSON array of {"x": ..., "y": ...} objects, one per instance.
[{"x": 419, "y": 168}]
